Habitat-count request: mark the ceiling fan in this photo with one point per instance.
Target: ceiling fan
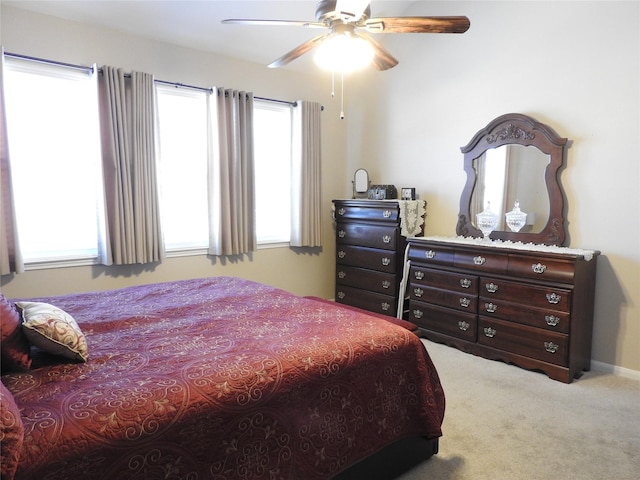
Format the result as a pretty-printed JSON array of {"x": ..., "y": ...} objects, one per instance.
[{"x": 352, "y": 19}]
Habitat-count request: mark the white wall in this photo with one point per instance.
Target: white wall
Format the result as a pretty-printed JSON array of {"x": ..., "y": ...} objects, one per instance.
[
  {"x": 302, "y": 271},
  {"x": 572, "y": 65}
]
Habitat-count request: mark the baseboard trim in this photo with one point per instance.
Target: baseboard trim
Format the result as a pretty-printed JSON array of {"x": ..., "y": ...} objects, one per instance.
[{"x": 615, "y": 370}]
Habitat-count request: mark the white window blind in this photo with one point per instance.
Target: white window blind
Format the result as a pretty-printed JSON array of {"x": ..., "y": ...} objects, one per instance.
[
  {"x": 182, "y": 127},
  {"x": 54, "y": 145},
  {"x": 272, "y": 150}
]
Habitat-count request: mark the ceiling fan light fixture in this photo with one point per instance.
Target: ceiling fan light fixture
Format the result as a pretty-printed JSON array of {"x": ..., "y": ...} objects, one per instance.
[{"x": 344, "y": 53}]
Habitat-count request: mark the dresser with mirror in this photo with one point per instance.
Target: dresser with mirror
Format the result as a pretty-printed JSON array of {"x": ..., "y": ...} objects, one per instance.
[{"x": 504, "y": 289}]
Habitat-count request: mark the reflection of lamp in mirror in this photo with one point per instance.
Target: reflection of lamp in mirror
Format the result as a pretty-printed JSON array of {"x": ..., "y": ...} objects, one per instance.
[
  {"x": 516, "y": 218},
  {"x": 487, "y": 221}
]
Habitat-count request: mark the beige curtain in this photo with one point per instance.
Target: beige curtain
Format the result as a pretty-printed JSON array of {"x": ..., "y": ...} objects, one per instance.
[
  {"x": 231, "y": 189},
  {"x": 306, "y": 208},
  {"x": 10, "y": 257},
  {"x": 127, "y": 118}
]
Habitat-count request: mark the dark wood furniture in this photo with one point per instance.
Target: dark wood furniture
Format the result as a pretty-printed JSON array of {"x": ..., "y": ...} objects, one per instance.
[
  {"x": 530, "y": 307},
  {"x": 369, "y": 254},
  {"x": 515, "y": 130}
]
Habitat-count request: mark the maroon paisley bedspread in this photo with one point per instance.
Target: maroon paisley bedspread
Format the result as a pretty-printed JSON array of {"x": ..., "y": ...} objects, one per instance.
[{"x": 222, "y": 378}]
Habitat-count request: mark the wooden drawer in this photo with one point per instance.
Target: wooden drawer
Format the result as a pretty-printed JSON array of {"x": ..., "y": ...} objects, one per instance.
[
  {"x": 445, "y": 298},
  {"x": 384, "y": 213},
  {"x": 367, "y": 279},
  {"x": 371, "y": 258},
  {"x": 550, "y": 298},
  {"x": 541, "y": 269},
  {"x": 374, "y": 302},
  {"x": 481, "y": 261},
  {"x": 431, "y": 254},
  {"x": 461, "y": 282},
  {"x": 443, "y": 320},
  {"x": 536, "y": 317},
  {"x": 366, "y": 235},
  {"x": 523, "y": 340},
  {"x": 535, "y": 303}
]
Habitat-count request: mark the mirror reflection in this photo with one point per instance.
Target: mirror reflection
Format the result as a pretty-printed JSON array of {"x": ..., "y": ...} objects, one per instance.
[
  {"x": 509, "y": 174},
  {"x": 513, "y": 159}
]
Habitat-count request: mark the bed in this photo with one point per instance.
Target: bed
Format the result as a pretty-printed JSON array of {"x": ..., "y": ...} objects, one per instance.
[{"x": 214, "y": 378}]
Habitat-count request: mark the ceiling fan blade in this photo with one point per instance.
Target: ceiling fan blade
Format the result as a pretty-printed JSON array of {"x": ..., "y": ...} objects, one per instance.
[
  {"x": 351, "y": 10},
  {"x": 417, "y": 25},
  {"x": 299, "y": 51},
  {"x": 382, "y": 59},
  {"x": 275, "y": 23}
]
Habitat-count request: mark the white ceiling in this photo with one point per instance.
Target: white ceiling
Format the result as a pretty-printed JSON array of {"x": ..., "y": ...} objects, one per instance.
[{"x": 197, "y": 23}]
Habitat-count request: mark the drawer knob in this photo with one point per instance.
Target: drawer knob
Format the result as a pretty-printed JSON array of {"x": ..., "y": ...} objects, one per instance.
[
  {"x": 386, "y": 213},
  {"x": 551, "y": 347},
  {"x": 479, "y": 260},
  {"x": 418, "y": 292},
  {"x": 341, "y": 211},
  {"x": 418, "y": 275},
  {"x": 386, "y": 261},
  {"x": 386, "y": 239},
  {"x": 386, "y": 284},
  {"x": 491, "y": 287},
  {"x": 465, "y": 302},
  {"x": 464, "y": 326},
  {"x": 553, "y": 298},
  {"x": 538, "y": 268},
  {"x": 491, "y": 307},
  {"x": 551, "y": 320},
  {"x": 342, "y": 233},
  {"x": 430, "y": 254},
  {"x": 489, "y": 332},
  {"x": 385, "y": 306},
  {"x": 465, "y": 283},
  {"x": 341, "y": 274},
  {"x": 341, "y": 295},
  {"x": 418, "y": 313},
  {"x": 341, "y": 254}
]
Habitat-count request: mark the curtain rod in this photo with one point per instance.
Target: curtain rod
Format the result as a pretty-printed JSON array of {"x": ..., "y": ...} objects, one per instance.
[
  {"x": 293, "y": 104},
  {"x": 182, "y": 85},
  {"x": 163, "y": 82},
  {"x": 51, "y": 62}
]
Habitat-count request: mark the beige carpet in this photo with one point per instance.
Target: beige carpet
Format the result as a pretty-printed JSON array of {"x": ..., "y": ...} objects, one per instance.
[{"x": 503, "y": 422}]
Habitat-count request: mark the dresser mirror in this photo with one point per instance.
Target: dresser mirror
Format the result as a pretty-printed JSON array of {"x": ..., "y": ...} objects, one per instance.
[
  {"x": 360, "y": 183},
  {"x": 512, "y": 168}
]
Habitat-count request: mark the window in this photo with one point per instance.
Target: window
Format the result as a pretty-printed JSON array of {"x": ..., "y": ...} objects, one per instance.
[
  {"x": 54, "y": 141},
  {"x": 182, "y": 133},
  {"x": 272, "y": 154},
  {"x": 54, "y": 144}
]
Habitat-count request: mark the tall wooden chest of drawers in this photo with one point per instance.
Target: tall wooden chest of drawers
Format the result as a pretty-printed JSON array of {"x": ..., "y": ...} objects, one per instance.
[
  {"x": 530, "y": 307},
  {"x": 369, "y": 254}
]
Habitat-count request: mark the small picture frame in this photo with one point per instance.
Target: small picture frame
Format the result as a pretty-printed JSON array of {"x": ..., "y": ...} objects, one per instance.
[{"x": 408, "y": 193}]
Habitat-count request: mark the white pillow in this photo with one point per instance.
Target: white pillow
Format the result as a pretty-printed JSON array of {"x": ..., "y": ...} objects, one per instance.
[{"x": 53, "y": 330}]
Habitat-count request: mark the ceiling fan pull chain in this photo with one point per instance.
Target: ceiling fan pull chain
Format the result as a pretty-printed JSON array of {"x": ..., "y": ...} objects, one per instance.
[
  {"x": 333, "y": 84},
  {"x": 342, "y": 97}
]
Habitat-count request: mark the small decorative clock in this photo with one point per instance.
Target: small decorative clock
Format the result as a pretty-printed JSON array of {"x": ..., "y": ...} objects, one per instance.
[{"x": 408, "y": 193}]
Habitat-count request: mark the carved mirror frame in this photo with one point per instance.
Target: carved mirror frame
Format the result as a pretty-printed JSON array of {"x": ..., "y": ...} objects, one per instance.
[{"x": 519, "y": 129}]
